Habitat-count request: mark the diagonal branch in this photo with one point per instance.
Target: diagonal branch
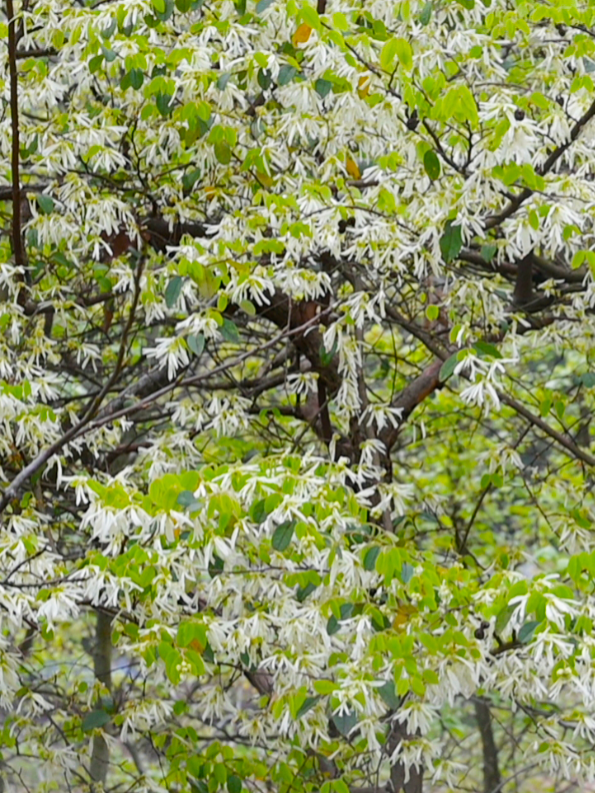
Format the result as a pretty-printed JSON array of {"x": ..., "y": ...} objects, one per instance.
[
  {"x": 564, "y": 441},
  {"x": 92, "y": 423},
  {"x": 77, "y": 429},
  {"x": 412, "y": 395},
  {"x": 515, "y": 203}
]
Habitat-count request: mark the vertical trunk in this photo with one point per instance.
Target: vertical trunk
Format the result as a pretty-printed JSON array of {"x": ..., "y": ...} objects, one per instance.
[
  {"x": 492, "y": 779},
  {"x": 15, "y": 158},
  {"x": 102, "y": 663},
  {"x": 398, "y": 772}
]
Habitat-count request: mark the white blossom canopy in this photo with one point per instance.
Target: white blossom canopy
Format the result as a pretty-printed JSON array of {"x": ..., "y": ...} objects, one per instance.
[{"x": 296, "y": 379}]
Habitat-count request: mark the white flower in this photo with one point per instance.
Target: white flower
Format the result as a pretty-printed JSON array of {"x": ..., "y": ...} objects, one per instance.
[
  {"x": 171, "y": 351},
  {"x": 417, "y": 716},
  {"x": 382, "y": 414}
]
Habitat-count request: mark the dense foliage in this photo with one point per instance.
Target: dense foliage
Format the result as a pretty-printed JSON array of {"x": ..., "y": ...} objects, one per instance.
[{"x": 295, "y": 392}]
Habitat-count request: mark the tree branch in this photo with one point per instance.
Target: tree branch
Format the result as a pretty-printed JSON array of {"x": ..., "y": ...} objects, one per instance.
[
  {"x": 515, "y": 203},
  {"x": 17, "y": 239}
]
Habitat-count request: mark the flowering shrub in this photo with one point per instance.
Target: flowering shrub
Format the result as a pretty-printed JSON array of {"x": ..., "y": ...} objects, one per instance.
[{"x": 296, "y": 382}]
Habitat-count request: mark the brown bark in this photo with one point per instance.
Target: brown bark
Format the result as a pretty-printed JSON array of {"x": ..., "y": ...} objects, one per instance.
[
  {"x": 398, "y": 772},
  {"x": 492, "y": 778},
  {"x": 102, "y": 665}
]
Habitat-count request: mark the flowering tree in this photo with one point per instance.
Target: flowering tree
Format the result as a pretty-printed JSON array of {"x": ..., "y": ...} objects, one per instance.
[{"x": 295, "y": 388}]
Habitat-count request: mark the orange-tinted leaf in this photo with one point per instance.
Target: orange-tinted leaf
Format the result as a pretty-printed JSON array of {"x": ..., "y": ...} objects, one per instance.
[
  {"x": 403, "y": 614},
  {"x": 352, "y": 168},
  {"x": 363, "y": 86},
  {"x": 301, "y": 35}
]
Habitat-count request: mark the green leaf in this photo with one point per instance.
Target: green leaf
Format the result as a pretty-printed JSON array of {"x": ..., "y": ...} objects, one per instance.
[
  {"x": 132, "y": 79},
  {"x": 426, "y": 14},
  {"x": 332, "y": 626},
  {"x": 503, "y": 617},
  {"x": 258, "y": 511},
  {"x": 303, "y": 592},
  {"x": 190, "y": 630},
  {"x": 184, "y": 5},
  {"x": 407, "y": 572},
  {"x": 172, "y": 662},
  {"x": 95, "y": 719},
  {"x": 344, "y": 613},
  {"x": 96, "y": 63},
  {"x": 185, "y": 498},
  {"x": 432, "y": 164},
  {"x": 282, "y": 535},
  {"x": 578, "y": 259},
  {"x": 31, "y": 149},
  {"x": 404, "y": 53},
  {"x": 196, "y": 343},
  {"x": 370, "y": 558},
  {"x": 234, "y": 783},
  {"x": 308, "y": 704},
  {"x": 388, "y": 693},
  {"x": 216, "y": 566},
  {"x": 310, "y": 16},
  {"x": 388, "y": 55},
  {"x": 190, "y": 178},
  {"x": 46, "y": 204},
  {"x": 229, "y": 331},
  {"x": 447, "y": 369},
  {"x": 159, "y": 6},
  {"x": 173, "y": 291},
  {"x": 163, "y": 101},
  {"x": 588, "y": 379},
  {"x": 137, "y": 78},
  {"x": 322, "y": 87},
  {"x": 345, "y": 722},
  {"x": 262, "y": 5},
  {"x": 248, "y": 307},
  {"x": 107, "y": 32},
  {"x": 223, "y": 81},
  {"x": 527, "y": 631},
  {"x": 223, "y": 152},
  {"x": 430, "y": 677},
  {"x": 264, "y": 79},
  {"x": 486, "y": 349},
  {"x": 393, "y": 49},
  {"x": 286, "y": 74},
  {"x": 451, "y": 242},
  {"x": 325, "y": 687},
  {"x": 326, "y": 356},
  {"x": 488, "y": 252}
]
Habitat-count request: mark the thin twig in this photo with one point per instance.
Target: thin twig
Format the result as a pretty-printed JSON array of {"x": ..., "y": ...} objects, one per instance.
[{"x": 17, "y": 240}]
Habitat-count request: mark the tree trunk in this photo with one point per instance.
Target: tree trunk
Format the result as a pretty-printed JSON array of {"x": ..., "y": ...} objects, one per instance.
[
  {"x": 102, "y": 663},
  {"x": 491, "y": 771},
  {"x": 398, "y": 771}
]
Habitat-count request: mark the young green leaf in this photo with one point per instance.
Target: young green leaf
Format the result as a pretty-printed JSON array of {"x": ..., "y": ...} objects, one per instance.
[
  {"x": 451, "y": 242},
  {"x": 307, "y": 705},
  {"x": 447, "y": 369},
  {"x": 46, "y": 204},
  {"x": 173, "y": 291},
  {"x": 196, "y": 343},
  {"x": 283, "y": 535},
  {"x": 95, "y": 719},
  {"x": 432, "y": 164},
  {"x": 229, "y": 331}
]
